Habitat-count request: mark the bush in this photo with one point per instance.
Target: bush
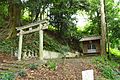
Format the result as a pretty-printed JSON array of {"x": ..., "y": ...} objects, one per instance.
[
  {"x": 107, "y": 67},
  {"x": 5, "y": 46},
  {"x": 115, "y": 52},
  {"x": 52, "y": 45},
  {"x": 52, "y": 65},
  {"x": 108, "y": 72},
  {"x": 8, "y": 45},
  {"x": 22, "y": 73},
  {"x": 7, "y": 76},
  {"x": 33, "y": 66}
]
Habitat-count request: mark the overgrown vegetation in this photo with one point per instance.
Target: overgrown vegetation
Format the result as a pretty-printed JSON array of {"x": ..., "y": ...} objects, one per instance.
[
  {"x": 8, "y": 46},
  {"x": 15, "y": 13},
  {"x": 115, "y": 52},
  {"x": 7, "y": 76},
  {"x": 108, "y": 68},
  {"x": 52, "y": 65},
  {"x": 33, "y": 66},
  {"x": 50, "y": 44},
  {"x": 22, "y": 73}
]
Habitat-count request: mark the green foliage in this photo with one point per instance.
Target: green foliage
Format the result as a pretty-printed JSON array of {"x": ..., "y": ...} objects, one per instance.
[
  {"x": 108, "y": 68},
  {"x": 6, "y": 46},
  {"x": 91, "y": 29},
  {"x": 52, "y": 65},
  {"x": 22, "y": 73},
  {"x": 94, "y": 18},
  {"x": 51, "y": 28},
  {"x": 73, "y": 32},
  {"x": 115, "y": 52},
  {"x": 53, "y": 45},
  {"x": 108, "y": 72},
  {"x": 112, "y": 9},
  {"x": 61, "y": 12},
  {"x": 7, "y": 76},
  {"x": 50, "y": 44},
  {"x": 33, "y": 66},
  {"x": 113, "y": 19},
  {"x": 1, "y": 22},
  {"x": 3, "y": 13}
]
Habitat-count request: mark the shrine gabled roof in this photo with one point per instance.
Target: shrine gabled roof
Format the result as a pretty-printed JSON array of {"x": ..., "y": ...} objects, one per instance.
[{"x": 90, "y": 38}]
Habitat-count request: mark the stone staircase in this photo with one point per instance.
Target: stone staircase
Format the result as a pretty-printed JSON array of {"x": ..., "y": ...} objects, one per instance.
[{"x": 15, "y": 66}]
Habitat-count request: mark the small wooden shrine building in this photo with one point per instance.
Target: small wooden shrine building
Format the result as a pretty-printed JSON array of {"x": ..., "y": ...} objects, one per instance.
[{"x": 91, "y": 44}]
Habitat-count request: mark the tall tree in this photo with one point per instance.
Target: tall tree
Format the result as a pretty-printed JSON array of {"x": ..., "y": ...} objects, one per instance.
[
  {"x": 94, "y": 27},
  {"x": 112, "y": 9},
  {"x": 61, "y": 12},
  {"x": 14, "y": 11},
  {"x": 103, "y": 28},
  {"x": 113, "y": 19}
]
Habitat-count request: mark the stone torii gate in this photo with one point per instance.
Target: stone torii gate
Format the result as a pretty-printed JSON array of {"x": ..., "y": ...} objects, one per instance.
[{"x": 30, "y": 28}]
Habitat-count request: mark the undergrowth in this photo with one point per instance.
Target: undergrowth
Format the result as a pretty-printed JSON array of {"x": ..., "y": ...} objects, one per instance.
[
  {"x": 22, "y": 73},
  {"x": 53, "y": 45},
  {"x": 52, "y": 65},
  {"x": 7, "y": 45},
  {"x": 115, "y": 52},
  {"x": 30, "y": 43},
  {"x": 33, "y": 66},
  {"x": 109, "y": 69},
  {"x": 7, "y": 76}
]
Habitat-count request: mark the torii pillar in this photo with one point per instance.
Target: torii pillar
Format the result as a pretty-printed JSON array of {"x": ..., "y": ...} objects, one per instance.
[
  {"x": 40, "y": 55},
  {"x": 41, "y": 26}
]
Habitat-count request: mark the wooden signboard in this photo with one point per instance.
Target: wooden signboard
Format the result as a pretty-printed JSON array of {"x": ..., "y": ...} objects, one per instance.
[{"x": 87, "y": 75}]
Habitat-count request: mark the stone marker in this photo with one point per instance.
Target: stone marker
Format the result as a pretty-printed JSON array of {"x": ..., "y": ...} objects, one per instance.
[{"x": 87, "y": 75}]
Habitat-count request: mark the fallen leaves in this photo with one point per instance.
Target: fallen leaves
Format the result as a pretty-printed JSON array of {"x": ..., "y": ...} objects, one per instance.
[{"x": 70, "y": 70}]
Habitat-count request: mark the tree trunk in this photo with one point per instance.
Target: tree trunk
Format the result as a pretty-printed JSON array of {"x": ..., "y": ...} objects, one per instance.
[
  {"x": 103, "y": 28},
  {"x": 14, "y": 10}
]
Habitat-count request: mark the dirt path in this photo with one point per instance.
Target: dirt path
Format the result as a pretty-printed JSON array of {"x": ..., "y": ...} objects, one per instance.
[{"x": 70, "y": 70}]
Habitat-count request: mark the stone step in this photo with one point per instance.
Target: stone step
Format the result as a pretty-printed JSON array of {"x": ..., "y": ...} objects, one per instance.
[
  {"x": 12, "y": 65},
  {"x": 17, "y": 65},
  {"x": 7, "y": 69},
  {"x": 3, "y": 71}
]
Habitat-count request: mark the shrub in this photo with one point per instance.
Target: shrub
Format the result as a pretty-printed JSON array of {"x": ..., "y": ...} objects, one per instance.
[
  {"x": 115, "y": 52},
  {"x": 33, "y": 66},
  {"x": 50, "y": 44},
  {"x": 5, "y": 46},
  {"x": 52, "y": 65},
  {"x": 108, "y": 72},
  {"x": 53, "y": 45},
  {"x": 7, "y": 76},
  {"x": 22, "y": 73},
  {"x": 8, "y": 45},
  {"x": 107, "y": 67}
]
